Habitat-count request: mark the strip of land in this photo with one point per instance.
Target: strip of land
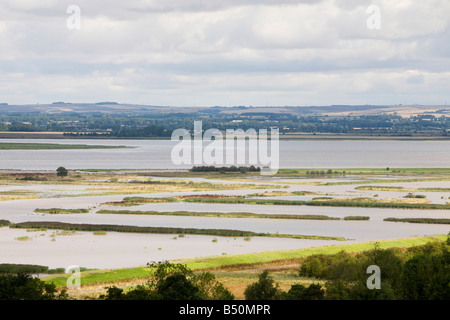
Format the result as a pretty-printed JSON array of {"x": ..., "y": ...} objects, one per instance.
[
  {"x": 161, "y": 230},
  {"x": 419, "y": 220},
  {"x": 52, "y": 146},
  {"x": 242, "y": 261},
  {"x": 232, "y": 215}
]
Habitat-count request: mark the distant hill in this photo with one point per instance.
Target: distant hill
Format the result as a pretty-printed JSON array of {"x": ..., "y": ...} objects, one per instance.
[{"x": 114, "y": 107}]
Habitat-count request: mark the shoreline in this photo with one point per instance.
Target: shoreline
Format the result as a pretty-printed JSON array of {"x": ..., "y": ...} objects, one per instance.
[{"x": 287, "y": 137}]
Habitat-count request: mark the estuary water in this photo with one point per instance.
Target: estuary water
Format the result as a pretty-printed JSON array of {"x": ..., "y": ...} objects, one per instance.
[{"x": 156, "y": 154}]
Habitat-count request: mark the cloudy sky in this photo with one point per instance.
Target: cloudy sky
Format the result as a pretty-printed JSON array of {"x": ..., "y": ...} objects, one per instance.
[{"x": 227, "y": 52}]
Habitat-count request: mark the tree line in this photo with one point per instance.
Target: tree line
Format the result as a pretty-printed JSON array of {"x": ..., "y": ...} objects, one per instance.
[{"x": 162, "y": 125}]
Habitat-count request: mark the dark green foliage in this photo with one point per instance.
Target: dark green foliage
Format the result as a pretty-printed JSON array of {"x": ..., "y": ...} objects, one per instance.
[
  {"x": 113, "y": 293},
  {"x": 173, "y": 282},
  {"x": 417, "y": 273},
  {"x": 210, "y": 288},
  {"x": 32, "y": 178},
  {"x": 178, "y": 287},
  {"x": 427, "y": 276},
  {"x": 62, "y": 172},
  {"x": 336, "y": 266},
  {"x": 25, "y": 268},
  {"x": 57, "y": 271},
  {"x": 300, "y": 292},
  {"x": 22, "y": 286},
  {"x": 264, "y": 289},
  {"x": 356, "y": 218},
  {"x": 4, "y": 223},
  {"x": 418, "y": 196}
]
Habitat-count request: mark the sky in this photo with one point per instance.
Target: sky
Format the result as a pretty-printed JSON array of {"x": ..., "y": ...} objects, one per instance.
[{"x": 225, "y": 53}]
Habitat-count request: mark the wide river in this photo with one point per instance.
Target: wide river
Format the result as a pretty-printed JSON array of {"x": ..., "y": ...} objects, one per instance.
[{"x": 156, "y": 154}]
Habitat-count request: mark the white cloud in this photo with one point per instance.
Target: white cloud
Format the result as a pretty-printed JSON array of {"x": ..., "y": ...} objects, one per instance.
[{"x": 283, "y": 51}]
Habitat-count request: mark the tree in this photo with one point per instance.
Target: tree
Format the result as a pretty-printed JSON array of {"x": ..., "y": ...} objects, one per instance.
[
  {"x": 263, "y": 289},
  {"x": 178, "y": 287},
  {"x": 173, "y": 282},
  {"x": 23, "y": 286},
  {"x": 62, "y": 172}
]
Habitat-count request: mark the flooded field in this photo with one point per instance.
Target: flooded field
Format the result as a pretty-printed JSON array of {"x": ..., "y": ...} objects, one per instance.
[{"x": 112, "y": 249}]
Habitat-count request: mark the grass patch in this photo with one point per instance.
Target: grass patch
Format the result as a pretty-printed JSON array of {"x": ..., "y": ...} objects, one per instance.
[
  {"x": 380, "y": 188},
  {"x": 401, "y": 189},
  {"x": 134, "y": 201},
  {"x": 220, "y": 214},
  {"x": 166, "y": 186},
  {"x": 369, "y": 203},
  {"x": 7, "y": 198},
  {"x": 356, "y": 218},
  {"x": 25, "y": 238},
  {"x": 32, "y": 178},
  {"x": 384, "y": 181},
  {"x": 99, "y": 233},
  {"x": 415, "y": 196},
  {"x": 277, "y": 194},
  {"x": 61, "y": 211},
  {"x": 419, "y": 220}
]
